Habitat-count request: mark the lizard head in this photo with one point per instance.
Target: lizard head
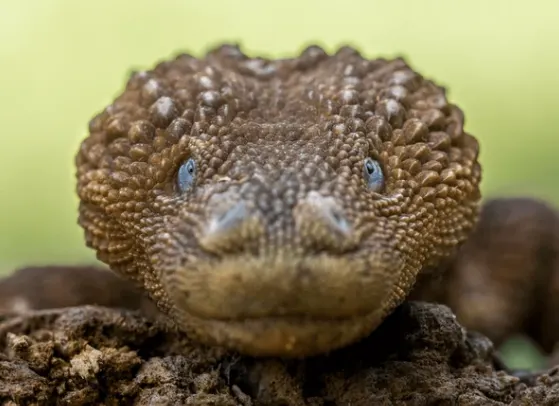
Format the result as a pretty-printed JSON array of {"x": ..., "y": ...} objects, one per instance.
[{"x": 277, "y": 207}]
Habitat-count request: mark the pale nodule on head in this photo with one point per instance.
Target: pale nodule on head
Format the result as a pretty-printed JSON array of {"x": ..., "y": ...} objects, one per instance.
[{"x": 277, "y": 207}]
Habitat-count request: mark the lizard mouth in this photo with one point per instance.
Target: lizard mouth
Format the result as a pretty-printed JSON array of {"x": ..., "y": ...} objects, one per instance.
[
  {"x": 287, "y": 307},
  {"x": 287, "y": 337}
]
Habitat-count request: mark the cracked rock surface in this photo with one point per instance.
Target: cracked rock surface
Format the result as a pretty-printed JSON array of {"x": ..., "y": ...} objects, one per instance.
[{"x": 99, "y": 356}]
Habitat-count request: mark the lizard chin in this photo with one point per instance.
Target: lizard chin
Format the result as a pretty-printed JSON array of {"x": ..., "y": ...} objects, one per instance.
[
  {"x": 286, "y": 337},
  {"x": 288, "y": 307}
]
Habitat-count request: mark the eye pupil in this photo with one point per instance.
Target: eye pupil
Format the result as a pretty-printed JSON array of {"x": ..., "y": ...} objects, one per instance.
[{"x": 370, "y": 167}]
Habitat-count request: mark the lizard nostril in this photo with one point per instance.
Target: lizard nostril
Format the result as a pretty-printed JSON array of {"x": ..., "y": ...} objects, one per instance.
[
  {"x": 231, "y": 227},
  {"x": 328, "y": 211},
  {"x": 337, "y": 219},
  {"x": 228, "y": 219},
  {"x": 324, "y": 224}
]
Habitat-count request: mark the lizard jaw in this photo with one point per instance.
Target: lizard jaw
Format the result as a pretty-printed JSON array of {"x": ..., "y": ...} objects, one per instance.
[
  {"x": 289, "y": 307},
  {"x": 286, "y": 337}
]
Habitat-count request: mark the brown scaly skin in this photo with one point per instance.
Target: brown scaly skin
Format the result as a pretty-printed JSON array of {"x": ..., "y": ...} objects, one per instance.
[
  {"x": 309, "y": 259},
  {"x": 505, "y": 278},
  {"x": 36, "y": 288}
]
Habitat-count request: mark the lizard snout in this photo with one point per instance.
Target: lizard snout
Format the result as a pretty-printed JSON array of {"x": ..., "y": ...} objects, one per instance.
[
  {"x": 317, "y": 223},
  {"x": 232, "y": 227},
  {"x": 277, "y": 279}
]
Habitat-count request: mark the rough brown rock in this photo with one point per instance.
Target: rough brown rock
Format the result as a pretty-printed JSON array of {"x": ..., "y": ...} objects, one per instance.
[{"x": 94, "y": 355}]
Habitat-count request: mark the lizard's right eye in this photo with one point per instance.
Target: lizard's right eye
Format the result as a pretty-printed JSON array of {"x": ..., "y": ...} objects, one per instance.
[
  {"x": 373, "y": 175},
  {"x": 186, "y": 174}
]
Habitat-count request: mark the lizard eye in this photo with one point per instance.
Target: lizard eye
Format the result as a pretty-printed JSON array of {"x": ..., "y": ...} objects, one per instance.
[
  {"x": 185, "y": 176},
  {"x": 373, "y": 175}
]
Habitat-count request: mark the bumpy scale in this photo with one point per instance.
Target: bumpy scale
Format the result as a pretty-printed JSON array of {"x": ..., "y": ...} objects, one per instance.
[{"x": 277, "y": 207}]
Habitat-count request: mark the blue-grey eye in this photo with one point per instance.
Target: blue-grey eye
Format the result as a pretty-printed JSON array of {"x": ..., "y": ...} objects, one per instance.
[
  {"x": 373, "y": 175},
  {"x": 185, "y": 177}
]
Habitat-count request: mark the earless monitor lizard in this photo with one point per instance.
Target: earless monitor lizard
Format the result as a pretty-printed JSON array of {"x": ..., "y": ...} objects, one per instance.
[{"x": 285, "y": 207}]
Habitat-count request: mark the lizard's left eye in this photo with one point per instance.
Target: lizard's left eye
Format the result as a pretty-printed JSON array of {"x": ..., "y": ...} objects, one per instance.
[
  {"x": 373, "y": 175},
  {"x": 186, "y": 175}
]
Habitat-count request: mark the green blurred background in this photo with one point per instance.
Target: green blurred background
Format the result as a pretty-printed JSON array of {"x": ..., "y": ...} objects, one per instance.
[{"x": 61, "y": 61}]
